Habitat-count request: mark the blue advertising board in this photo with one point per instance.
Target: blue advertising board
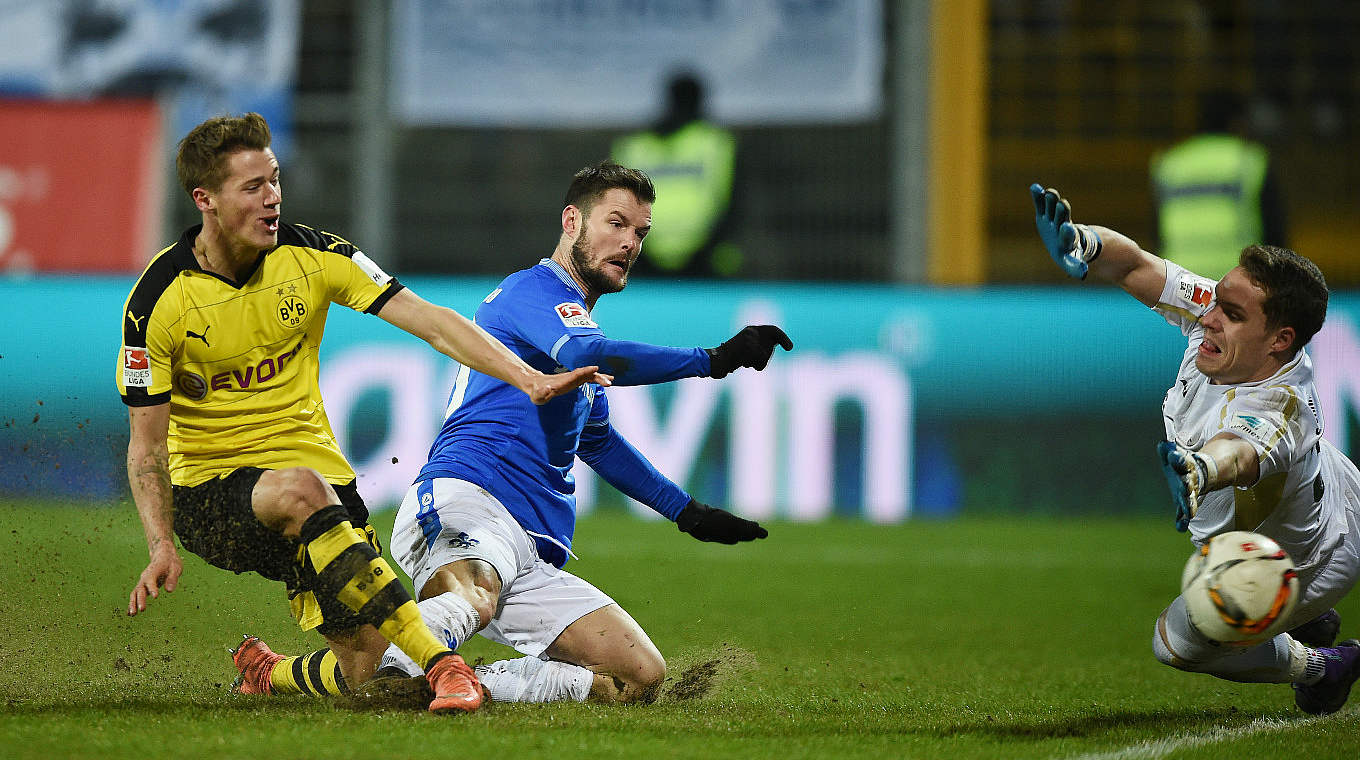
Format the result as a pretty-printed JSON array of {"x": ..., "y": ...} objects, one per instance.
[{"x": 895, "y": 401}]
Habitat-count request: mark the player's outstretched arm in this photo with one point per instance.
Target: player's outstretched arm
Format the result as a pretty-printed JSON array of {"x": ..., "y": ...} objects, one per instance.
[
  {"x": 1226, "y": 460},
  {"x": 1103, "y": 252},
  {"x": 633, "y": 363},
  {"x": 624, "y": 467},
  {"x": 148, "y": 466},
  {"x": 460, "y": 339},
  {"x": 752, "y": 347}
]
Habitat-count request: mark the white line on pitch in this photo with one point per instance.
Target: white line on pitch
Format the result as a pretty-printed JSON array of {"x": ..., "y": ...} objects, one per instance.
[{"x": 1156, "y": 748}]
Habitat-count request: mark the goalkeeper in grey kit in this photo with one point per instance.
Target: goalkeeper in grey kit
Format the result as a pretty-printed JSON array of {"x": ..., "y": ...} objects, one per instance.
[{"x": 1244, "y": 448}]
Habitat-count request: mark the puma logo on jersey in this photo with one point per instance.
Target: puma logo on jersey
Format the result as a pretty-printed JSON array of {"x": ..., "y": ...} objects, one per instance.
[
  {"x": 335, "y": 240},
  {"x": 203, "y": 336},
  {"x": 136, "y": 321}
]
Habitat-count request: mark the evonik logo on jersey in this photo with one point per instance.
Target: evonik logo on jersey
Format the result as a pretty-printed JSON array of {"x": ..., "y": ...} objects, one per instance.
[{"x": 243, "y": 378}]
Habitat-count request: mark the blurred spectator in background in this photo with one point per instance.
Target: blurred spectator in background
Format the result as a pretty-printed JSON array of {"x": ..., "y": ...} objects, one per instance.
[
  {"x": 692, "y": 163},
  {"x": 1214, "y": 193}
]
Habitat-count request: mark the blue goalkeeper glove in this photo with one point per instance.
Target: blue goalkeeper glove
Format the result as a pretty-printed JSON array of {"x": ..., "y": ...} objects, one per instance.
[
  {"x": 1072, "y": 246},
  {"x": 1188, "y": 473}
]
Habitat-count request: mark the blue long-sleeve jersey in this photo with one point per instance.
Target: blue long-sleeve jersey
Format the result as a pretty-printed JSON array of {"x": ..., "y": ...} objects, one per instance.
[{"x": 494, "y": 436}]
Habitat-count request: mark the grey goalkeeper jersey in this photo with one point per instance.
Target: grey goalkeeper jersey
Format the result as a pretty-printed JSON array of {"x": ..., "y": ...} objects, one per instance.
[{"x": 1305, "y": 483}]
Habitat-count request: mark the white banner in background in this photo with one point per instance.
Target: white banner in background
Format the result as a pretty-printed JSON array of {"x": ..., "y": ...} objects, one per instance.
[
  {"x": 553, "y": 63},
  {"x": 199, "y": 58}
]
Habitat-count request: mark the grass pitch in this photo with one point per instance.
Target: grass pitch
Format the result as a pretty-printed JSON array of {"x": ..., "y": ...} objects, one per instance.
[{"x": 996, "y": 638}]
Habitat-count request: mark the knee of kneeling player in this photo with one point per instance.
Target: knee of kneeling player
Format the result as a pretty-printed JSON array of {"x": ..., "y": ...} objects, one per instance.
[
  {"x": 642, "y": 681},
  {"x": 474, "y": 581},
  {"x": 485, "y": 605}
]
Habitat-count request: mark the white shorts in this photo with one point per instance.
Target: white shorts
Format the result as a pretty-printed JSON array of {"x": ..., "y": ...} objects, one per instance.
[
  {"x": 1339, "y": 571},
  {"x": 445, "y": 520}
]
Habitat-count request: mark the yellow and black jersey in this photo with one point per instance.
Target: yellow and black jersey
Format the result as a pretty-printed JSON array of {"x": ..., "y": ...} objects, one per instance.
[{"x": 238, "y": 362}]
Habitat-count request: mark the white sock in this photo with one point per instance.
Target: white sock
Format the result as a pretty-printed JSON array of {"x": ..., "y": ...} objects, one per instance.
[
  {"x": 452, "y": 620},
  {"x": 1298, "y": 662},
  {"x": 1306, "y": 665},
  {"x": 529, "y": 679}
]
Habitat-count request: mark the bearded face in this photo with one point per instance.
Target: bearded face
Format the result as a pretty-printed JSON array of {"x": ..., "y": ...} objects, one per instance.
[
  {"x": 600, "y": 276},
  {"x": 610, "y": 241}
]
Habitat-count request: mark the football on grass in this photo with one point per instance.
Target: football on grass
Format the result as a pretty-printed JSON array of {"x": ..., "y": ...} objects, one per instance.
[{"x": 1240, "y": 588}]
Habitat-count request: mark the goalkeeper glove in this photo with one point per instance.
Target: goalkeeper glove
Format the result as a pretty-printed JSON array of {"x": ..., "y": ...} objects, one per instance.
[
  {"x": 749, "y": 348},
  {"x": 1072, "y": 246},
  {"x": 712, "y": 524},
  {"x": 1189, "y": 474}
]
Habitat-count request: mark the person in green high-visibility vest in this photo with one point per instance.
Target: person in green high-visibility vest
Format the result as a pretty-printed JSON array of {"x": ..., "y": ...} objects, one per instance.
[
  {"x": 692, "y": 163},
  {"x": 1215, "y": 193}
]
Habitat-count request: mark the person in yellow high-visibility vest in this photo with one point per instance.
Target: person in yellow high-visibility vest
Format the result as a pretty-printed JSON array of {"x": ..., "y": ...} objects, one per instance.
[
  {"x": 692, "y": 163},
  {"x": 1215, "y": 193}
]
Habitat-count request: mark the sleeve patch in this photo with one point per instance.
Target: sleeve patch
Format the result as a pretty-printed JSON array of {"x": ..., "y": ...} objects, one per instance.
[
  {"x": 136, "y": 367},
  {"x": 374, "y": 272},
  {"x": 1194, "y": 292},
  {"x": 492, "y": 296},
  {"x": 574, "y": 315}
]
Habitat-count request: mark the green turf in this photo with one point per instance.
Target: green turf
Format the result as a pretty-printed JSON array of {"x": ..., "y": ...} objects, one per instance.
[{"x": 995, "y": 638}]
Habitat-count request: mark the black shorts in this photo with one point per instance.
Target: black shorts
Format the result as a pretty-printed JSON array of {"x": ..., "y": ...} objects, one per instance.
[{"x": 215, "y": 521}]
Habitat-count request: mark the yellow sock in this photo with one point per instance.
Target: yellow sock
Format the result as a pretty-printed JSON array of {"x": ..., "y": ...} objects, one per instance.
[
  {"x": 348, "y": 569},
  {"x": 315, "y": 674}
]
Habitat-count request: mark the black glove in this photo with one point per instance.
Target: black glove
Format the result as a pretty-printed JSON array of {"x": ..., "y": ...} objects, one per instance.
[
  {"x": 712, "y": 524},
  {"x": 749, "y": 348}
]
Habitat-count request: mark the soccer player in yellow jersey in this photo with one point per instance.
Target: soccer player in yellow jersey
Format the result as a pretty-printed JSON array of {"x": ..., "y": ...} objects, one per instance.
[{"x": 230, "y": 447}]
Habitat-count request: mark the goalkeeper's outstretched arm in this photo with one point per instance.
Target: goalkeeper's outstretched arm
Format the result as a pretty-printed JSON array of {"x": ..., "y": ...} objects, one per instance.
[
  {"x": 1109, "y": 255},
  {"x": 1141, "y": 274},
  {"x": 1226, "y": 460}
]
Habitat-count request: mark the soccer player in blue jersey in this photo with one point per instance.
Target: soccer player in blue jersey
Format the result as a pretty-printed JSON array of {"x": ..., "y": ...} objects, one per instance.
[{"x": 488, "y": 524}]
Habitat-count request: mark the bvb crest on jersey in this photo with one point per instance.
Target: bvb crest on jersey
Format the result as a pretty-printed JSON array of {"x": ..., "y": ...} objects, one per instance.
[{"x": 291, "y": 310}]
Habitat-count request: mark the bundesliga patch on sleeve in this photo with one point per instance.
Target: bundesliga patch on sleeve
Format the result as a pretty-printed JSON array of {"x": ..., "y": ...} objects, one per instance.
[
  {"x": 1195, "y": 292},
  {"x": 374, "y": 272},
  {"x": 136, "y": 367},
  {"x": 574, "y": 315}
]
